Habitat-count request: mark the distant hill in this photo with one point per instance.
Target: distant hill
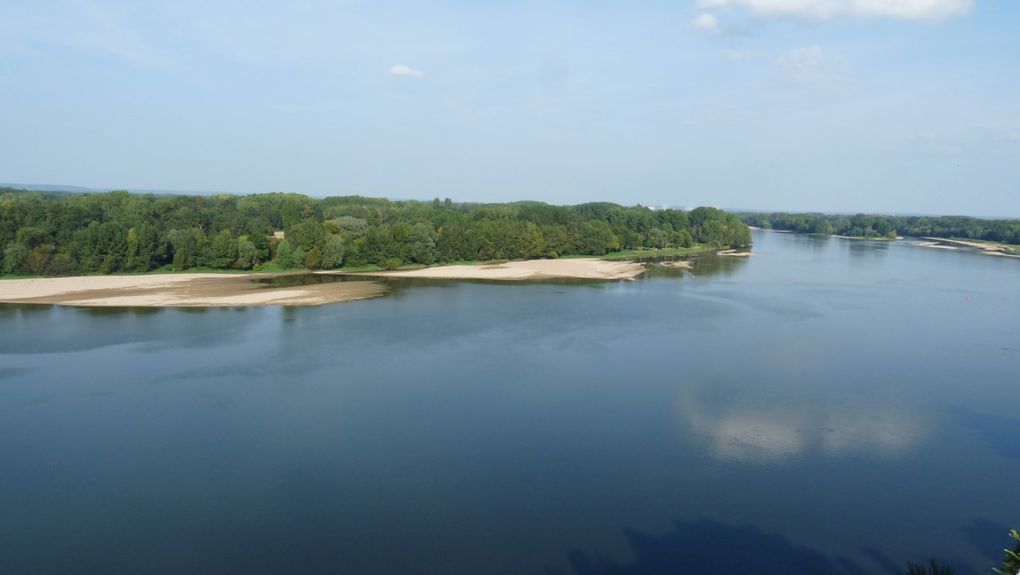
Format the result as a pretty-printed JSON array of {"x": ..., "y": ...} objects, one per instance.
[
  {"x": 85, "y": 190},
  {"x": 51, "y": 188}
]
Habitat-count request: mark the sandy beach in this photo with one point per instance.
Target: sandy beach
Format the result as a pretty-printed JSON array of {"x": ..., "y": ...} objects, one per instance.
[
  {"x": 179, "y": 290},
  {"x": 576, "y": 268}
]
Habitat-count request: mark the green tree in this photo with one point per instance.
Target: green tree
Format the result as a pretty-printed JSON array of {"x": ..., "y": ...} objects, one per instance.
[
  {"x": 422, "y": 240},
  {"x": 288, "y": 256},
  {"x": 1011, "y": 562},
  {"x": 14, "y": 255},
  {"x": 222, "y": 251},
  {"x": 247, "y": 254},
  {"x": 333, "y": 250}
]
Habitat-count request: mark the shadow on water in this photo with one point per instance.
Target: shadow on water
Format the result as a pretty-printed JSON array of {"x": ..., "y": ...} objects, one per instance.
[
  {"x": 306, "y": 279},
  {"x": 117, "y": 311},
  {"x": 67, "y": 329},
  {"x": 705, "y": 547},
  {"x": 703, "y": 267},
  {"x": 867, "y": 248},
  {"x": 988, "y": 538},
  {"x": 12, "y": 372},
  {"x": 998, "y": 432}
]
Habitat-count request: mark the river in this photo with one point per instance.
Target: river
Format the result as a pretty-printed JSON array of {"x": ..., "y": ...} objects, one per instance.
[{"x": 824, "y": 406}]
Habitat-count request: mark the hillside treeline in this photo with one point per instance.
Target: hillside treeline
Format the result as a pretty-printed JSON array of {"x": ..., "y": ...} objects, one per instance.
[
  {"x": 62, "y": 234},
  {"x": 872, "y": 226}
]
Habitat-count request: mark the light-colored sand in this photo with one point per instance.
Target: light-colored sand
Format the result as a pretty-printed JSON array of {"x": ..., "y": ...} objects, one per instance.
[
  {"x": 987, "y": 248},
  {"x": 578, "y": 268},
  {"x": 934, "y": 245},
  {"x": 734, "y": 253},
  {"x": 179, "y": 290},
  {"x": 876, "y": 238},
  {"x": 222, "y": 290},
  {"x": 965, "y": 243},
  {"x": 678, "y": 264}
]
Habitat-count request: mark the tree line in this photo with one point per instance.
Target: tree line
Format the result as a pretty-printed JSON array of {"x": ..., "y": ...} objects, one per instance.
[
  {"x": 876, "y": 226},
  {"x": 51, "y": 233}
]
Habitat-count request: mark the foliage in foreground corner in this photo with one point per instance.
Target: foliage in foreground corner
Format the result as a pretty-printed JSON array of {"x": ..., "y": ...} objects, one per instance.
[
  {"x": 933, "y": 568},
  {"x": 1011, "y": 563}
]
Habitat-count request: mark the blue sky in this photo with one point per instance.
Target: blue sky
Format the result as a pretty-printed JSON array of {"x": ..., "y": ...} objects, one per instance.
[{"x": 833, "y": 105}]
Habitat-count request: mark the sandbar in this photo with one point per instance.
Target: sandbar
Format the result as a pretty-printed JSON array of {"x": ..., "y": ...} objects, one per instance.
[
  {"x": 677, "y": 264},
  {"x": 987, "y": 248},
  {"x": 734, "y": 253},
  {"x": 179, "y": 290},
  {"x": 576, "y": 268},
  {"x": 872, "y": 238},
  {"x": 934, "y": 245}
]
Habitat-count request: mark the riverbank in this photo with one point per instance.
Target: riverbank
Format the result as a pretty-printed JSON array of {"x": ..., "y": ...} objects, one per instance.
[
  {"x": 570, "y": 268},
  {"x": 180, "y": 290}
]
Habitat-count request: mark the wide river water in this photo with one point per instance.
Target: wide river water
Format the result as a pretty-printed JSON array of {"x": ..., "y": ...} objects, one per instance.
[{"x": 825, "y": 406}]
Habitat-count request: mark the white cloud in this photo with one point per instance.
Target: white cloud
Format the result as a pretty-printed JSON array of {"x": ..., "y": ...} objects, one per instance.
[
  {"x": 706, "y": 22},
  {"x": 406, "y": 71},
  {"x": 1015, "y": 136},
  {"x": 802, "y": 64},
  {"x": 914, "y": 10},
  {"x": 928, "y": 136}
]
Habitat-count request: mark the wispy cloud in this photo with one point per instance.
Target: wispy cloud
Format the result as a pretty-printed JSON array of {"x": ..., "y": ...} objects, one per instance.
[
  {"x": 911, "y": 10},
  {"x": 738, "y": 55},
  {"x": 931, "y": 141},
  {"x": 802, "y": 64},
  {"x": 1015, "y": 136},
  {"x": 88, "y": 26},
  {"x": 707, "y": 22},
  {"x": 406, "y": 71}
]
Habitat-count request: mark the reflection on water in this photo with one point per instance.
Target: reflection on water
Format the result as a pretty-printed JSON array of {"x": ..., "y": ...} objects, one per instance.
[
  {"x": 706, "y": 266},
  {"x": 752, "y": 429},
  {"x": 304, "y": 279}
]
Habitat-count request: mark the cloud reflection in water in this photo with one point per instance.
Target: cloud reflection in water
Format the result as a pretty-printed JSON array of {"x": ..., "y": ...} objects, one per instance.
[{"x": 750, "y": 430}]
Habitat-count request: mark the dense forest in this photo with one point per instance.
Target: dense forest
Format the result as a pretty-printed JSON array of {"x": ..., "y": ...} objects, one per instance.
[
  {"x": 62, "y": 234},
  {"x": 872, "y": 226}
]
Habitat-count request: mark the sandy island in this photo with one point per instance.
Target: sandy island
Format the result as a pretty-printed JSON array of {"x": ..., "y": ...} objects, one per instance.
[
  {"x": 179, "y": 290},
  {"x": 576, "y": 268}
]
